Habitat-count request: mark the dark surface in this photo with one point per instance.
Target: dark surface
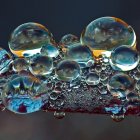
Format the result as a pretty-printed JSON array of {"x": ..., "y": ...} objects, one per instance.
[{"x": 62, "y": 17}]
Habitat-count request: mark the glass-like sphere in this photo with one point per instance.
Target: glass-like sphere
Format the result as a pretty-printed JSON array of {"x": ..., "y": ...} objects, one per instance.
[
  {"x": 106, "y": 33},
  {"x": 68, "y": 40},
  {"x": 20, "y": 64},
  {"x": 22, "y": 95},
  {"x": 50, "y": 50},
  {"x": 67, "y": 70},
  {"x": 27, "y": 39},
  {"x": 79, "y": 53},
  {"x": 124, "y": 58},
  {"x": 5, "y": 61},
  {"x": 92, "y": 79},
  {"x": 120, "y": 85},
  {"x": 41, "y": 65}
]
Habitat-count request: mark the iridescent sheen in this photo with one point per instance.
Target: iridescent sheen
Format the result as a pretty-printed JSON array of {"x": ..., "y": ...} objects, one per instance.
[
  {"x": 67, "y": 70},
  {"x": 106, "y": 33},
  {"x": 124, "y": 58},
  {"x": 27, "y": 39}
]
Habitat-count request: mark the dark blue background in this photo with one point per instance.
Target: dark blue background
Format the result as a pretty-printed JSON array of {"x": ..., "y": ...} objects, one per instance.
[{"x": 62, "y": 17}]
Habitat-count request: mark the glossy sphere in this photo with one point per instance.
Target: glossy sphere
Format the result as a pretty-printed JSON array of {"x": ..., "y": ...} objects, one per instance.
[
  {"x": 5, "y": 61},
  {"x": 27, "y": 39},
  {"x": 67, "y": 70},
  {"x": 21, "y": 95},
  {"x": 41, "y": 65},
  {"x": 20, "y": 64},
  {"x": 120, "y": 85},
  {"x": 124, "y": 58},
  {"x": 104, "y": 34},
  {"x": 49, "y": 50},
  {"x": 79, "y": 53},
  {"x": 92, "y": 79},
  {"x": 68, "y": 40}
]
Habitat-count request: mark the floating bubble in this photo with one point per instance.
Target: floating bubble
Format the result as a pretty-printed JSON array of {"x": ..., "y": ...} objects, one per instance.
[
  {"x": 20, "y": 64},
  {"x": 27, "y": 39},
  {"x": 49, "y": 50},
  {"x": 106, "y": 33},
  {"x": 92, "y": 79},
  {"x": 20, "y": 97},
  {"x": 124, "y": 58},
  {"x": 67, "y": 70},
  {"x": 120, "y": 85},
  {"x": 80, "y": 54},
  {"x": 41, "y": 65},
  {"x": 5, "y": 61}
]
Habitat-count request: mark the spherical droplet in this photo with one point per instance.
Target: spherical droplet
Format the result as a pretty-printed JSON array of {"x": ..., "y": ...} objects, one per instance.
[
  {"x": 106, "y": 33},
  {"x": 80, "y": 54},
  {"x": 5, "y": 61},
  {"x": 20, "y": 97},
  {"x": 59, "y": 115},
  {"x": 68, "y": 40},
  {"x": 92, "y": 79},
  {"x": 41, "y": 65},
  {"x": 67, "y": 70},
  {"x": 124, "y": 58},
  {"x": 27, "y": 39},
  {"x": 49, "y": 50},
  {"x": 20, "y": 64},
  {"x": 120, "y": 85}
]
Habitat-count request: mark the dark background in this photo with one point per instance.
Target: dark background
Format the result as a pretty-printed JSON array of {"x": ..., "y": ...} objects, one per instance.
[{"x": 62, "y": 17}]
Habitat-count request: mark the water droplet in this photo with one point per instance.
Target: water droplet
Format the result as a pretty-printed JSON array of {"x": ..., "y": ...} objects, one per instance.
[
  {"x": 106, "y": 33},
  {"x": 27, "y": 39},
  {"x": 59, "y": 114},
  {"x": 80, "y": 54},
  {"x": 49, "y": 50},
  {"x": 124, "y": 58},
  {"x": 41, "y": 65},
  {"x": 19, "y": 95},
  {"x": 68, "y": 40},
  {"x": 20, "y": 64},
  {"x": 92, "y": 79},
  {"x": 120, "y": 85},
  {"x": 67, "y": 70}
]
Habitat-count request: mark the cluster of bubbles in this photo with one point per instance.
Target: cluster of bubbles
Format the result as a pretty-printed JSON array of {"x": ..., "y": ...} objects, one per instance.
[{"x": 105, "y": 58}]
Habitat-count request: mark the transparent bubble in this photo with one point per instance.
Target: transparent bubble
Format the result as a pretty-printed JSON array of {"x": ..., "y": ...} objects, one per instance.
[
  {"x": 120, "y": 85},
  {"x": 67, "y": 70},
  {"x": 20, "y": 97},
  {"x": 80, "y": 54},
  {"x": 41, "y": 65},
  {"x": 106, "y": 33},
  {"x": 132, "y": 97},
  {"x": 5, "y": 61},
  {"x": 68, "y": 40},
  {"x": 20, "y": 64},
  {"x": 49, "y": 50},
  {"x": 124, "y": 58},
  {"x": 27, "y": 39},
  {"x": 92, "y": 79}
]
